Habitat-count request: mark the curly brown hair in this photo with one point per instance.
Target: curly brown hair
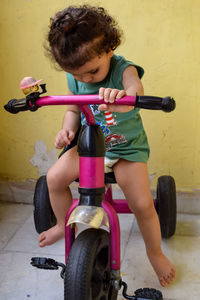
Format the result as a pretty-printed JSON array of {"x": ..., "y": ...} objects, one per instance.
[{"x": 78, "y": 34}]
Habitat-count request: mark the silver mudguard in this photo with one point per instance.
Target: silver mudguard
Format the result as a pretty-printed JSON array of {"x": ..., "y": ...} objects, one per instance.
[{"x": 93, "y": 216}]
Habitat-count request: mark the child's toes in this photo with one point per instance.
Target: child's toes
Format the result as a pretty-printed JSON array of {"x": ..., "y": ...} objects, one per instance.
[
  {"x": 41, "y": 237},
  {"x": 162, "y": 282},
  {"x": 168, "y": 279},
  {"x": 173, "y": 273},
  {"x": 42, "y": 244}
]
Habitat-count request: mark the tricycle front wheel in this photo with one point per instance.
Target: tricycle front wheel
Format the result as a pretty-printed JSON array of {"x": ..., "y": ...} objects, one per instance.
[{"x": 88, "y": 274}]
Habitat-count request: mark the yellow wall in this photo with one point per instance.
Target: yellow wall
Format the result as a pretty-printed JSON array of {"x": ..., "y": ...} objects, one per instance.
[{"x": 162, "y": 36}]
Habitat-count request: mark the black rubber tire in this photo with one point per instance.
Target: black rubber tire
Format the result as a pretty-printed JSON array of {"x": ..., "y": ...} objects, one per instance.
[
  {"x": 44, "y": 217},
  {"x": 87, "y": 275},
  {"x": 166, "y": 205},
  {"x": 149, "y": 294}
]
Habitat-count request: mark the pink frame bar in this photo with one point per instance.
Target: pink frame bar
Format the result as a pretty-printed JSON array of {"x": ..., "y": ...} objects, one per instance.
[
  {"x": 114, "y": 235},
  {"x": 69, "y": 232},
  {"x": 81, "y": 100},
  {"x": 90, "y": 172},
  {"x": 120, "y": 205}
]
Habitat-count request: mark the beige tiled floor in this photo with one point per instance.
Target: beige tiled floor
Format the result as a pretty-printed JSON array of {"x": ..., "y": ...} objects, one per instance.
[{"x": 18, "y": 243}]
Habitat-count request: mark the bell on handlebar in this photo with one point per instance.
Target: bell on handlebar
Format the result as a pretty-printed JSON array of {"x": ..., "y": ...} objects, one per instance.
[
  {"x": 29, "y": 85},
  {"x": 30, "y": 88}
]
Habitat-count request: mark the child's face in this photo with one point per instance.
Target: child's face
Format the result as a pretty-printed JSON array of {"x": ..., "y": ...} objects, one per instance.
[{"x": 94, "y": 70}]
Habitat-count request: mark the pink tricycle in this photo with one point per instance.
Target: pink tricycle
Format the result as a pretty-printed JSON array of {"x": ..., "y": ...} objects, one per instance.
[{"x": 92, "y": 258}]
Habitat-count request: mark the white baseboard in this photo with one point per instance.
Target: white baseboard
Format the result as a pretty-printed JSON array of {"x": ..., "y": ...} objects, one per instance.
[{"x": 22, "y": 192}]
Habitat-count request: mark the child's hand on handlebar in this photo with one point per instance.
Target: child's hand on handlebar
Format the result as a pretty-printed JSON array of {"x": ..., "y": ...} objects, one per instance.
[
  {"x": 109, "y": 95},
  {"x": 63, "y": 138}
]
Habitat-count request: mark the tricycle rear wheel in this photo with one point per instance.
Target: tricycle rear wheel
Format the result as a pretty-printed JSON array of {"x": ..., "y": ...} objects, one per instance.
[
  {"x": 88, "y": 274},
  {"x": 166, "y": 205},
  {"x": 44, "y": 217}
]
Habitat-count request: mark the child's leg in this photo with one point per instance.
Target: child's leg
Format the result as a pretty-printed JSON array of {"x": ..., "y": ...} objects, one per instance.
[
  {"x": 135, "y": 185},
  {"x": 59, "y": 177}
]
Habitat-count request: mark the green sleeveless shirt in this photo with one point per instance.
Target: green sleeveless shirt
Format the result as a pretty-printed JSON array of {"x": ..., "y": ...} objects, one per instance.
[{"x": 124, "y": 133}]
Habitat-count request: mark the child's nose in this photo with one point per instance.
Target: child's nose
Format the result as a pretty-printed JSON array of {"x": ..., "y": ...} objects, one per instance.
[{"x": 87, "y": 78}]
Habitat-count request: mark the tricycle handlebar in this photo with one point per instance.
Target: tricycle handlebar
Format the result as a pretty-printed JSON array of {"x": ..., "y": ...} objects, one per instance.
[{"x": 166, "y": 104}]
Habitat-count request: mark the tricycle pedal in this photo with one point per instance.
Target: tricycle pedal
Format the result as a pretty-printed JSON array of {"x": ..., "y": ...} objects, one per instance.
[
  {"x": 47, "y": 264},
  {"x": 44, "y": 263},
  {"x": 142, "y": 294},
  {"x": 148, "y": 293}
]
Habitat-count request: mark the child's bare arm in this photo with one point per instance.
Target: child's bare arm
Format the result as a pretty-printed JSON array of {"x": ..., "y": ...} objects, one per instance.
[
  {"x": 132, "y": 86},
  {"x": 70, "y": 126},
  {"x": 131, "y": 82}
]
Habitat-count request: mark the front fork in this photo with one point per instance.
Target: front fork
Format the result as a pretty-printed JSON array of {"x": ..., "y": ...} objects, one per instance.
[{"x": 92, "y": 209}]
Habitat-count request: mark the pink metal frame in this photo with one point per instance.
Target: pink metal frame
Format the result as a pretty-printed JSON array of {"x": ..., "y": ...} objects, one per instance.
[
  {"x": 90, "y": 169},
  {"x": 92, "y": 175},
  {"x": 81, "y": 100}
]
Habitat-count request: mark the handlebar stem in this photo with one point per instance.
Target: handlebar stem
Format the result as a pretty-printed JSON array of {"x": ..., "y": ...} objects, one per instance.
[{"x": 90, "y": 120}]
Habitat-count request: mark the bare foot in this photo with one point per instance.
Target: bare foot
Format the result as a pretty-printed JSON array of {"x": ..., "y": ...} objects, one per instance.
[
  {"x": 51, "y": 236},
  {"x": 163, "y": 268}
]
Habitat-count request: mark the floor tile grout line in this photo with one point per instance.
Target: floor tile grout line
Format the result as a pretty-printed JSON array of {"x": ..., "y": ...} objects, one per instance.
[
  {"x": 31, "y": 253},
  {"x": 15, "y": 232},
  {"x": 129, "y": 236}
]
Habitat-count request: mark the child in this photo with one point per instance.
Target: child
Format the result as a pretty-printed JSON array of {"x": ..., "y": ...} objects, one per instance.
[{"x": 82, "y": 41}]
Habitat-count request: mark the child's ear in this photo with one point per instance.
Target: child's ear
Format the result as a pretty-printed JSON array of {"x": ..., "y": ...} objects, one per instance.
[{"x": 110, "y": 53}]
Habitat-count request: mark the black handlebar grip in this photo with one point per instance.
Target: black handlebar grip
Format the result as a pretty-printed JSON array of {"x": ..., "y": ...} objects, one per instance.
[
  {"x": 166, "y": 104},
  {"x": 14, "y": 106}
]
